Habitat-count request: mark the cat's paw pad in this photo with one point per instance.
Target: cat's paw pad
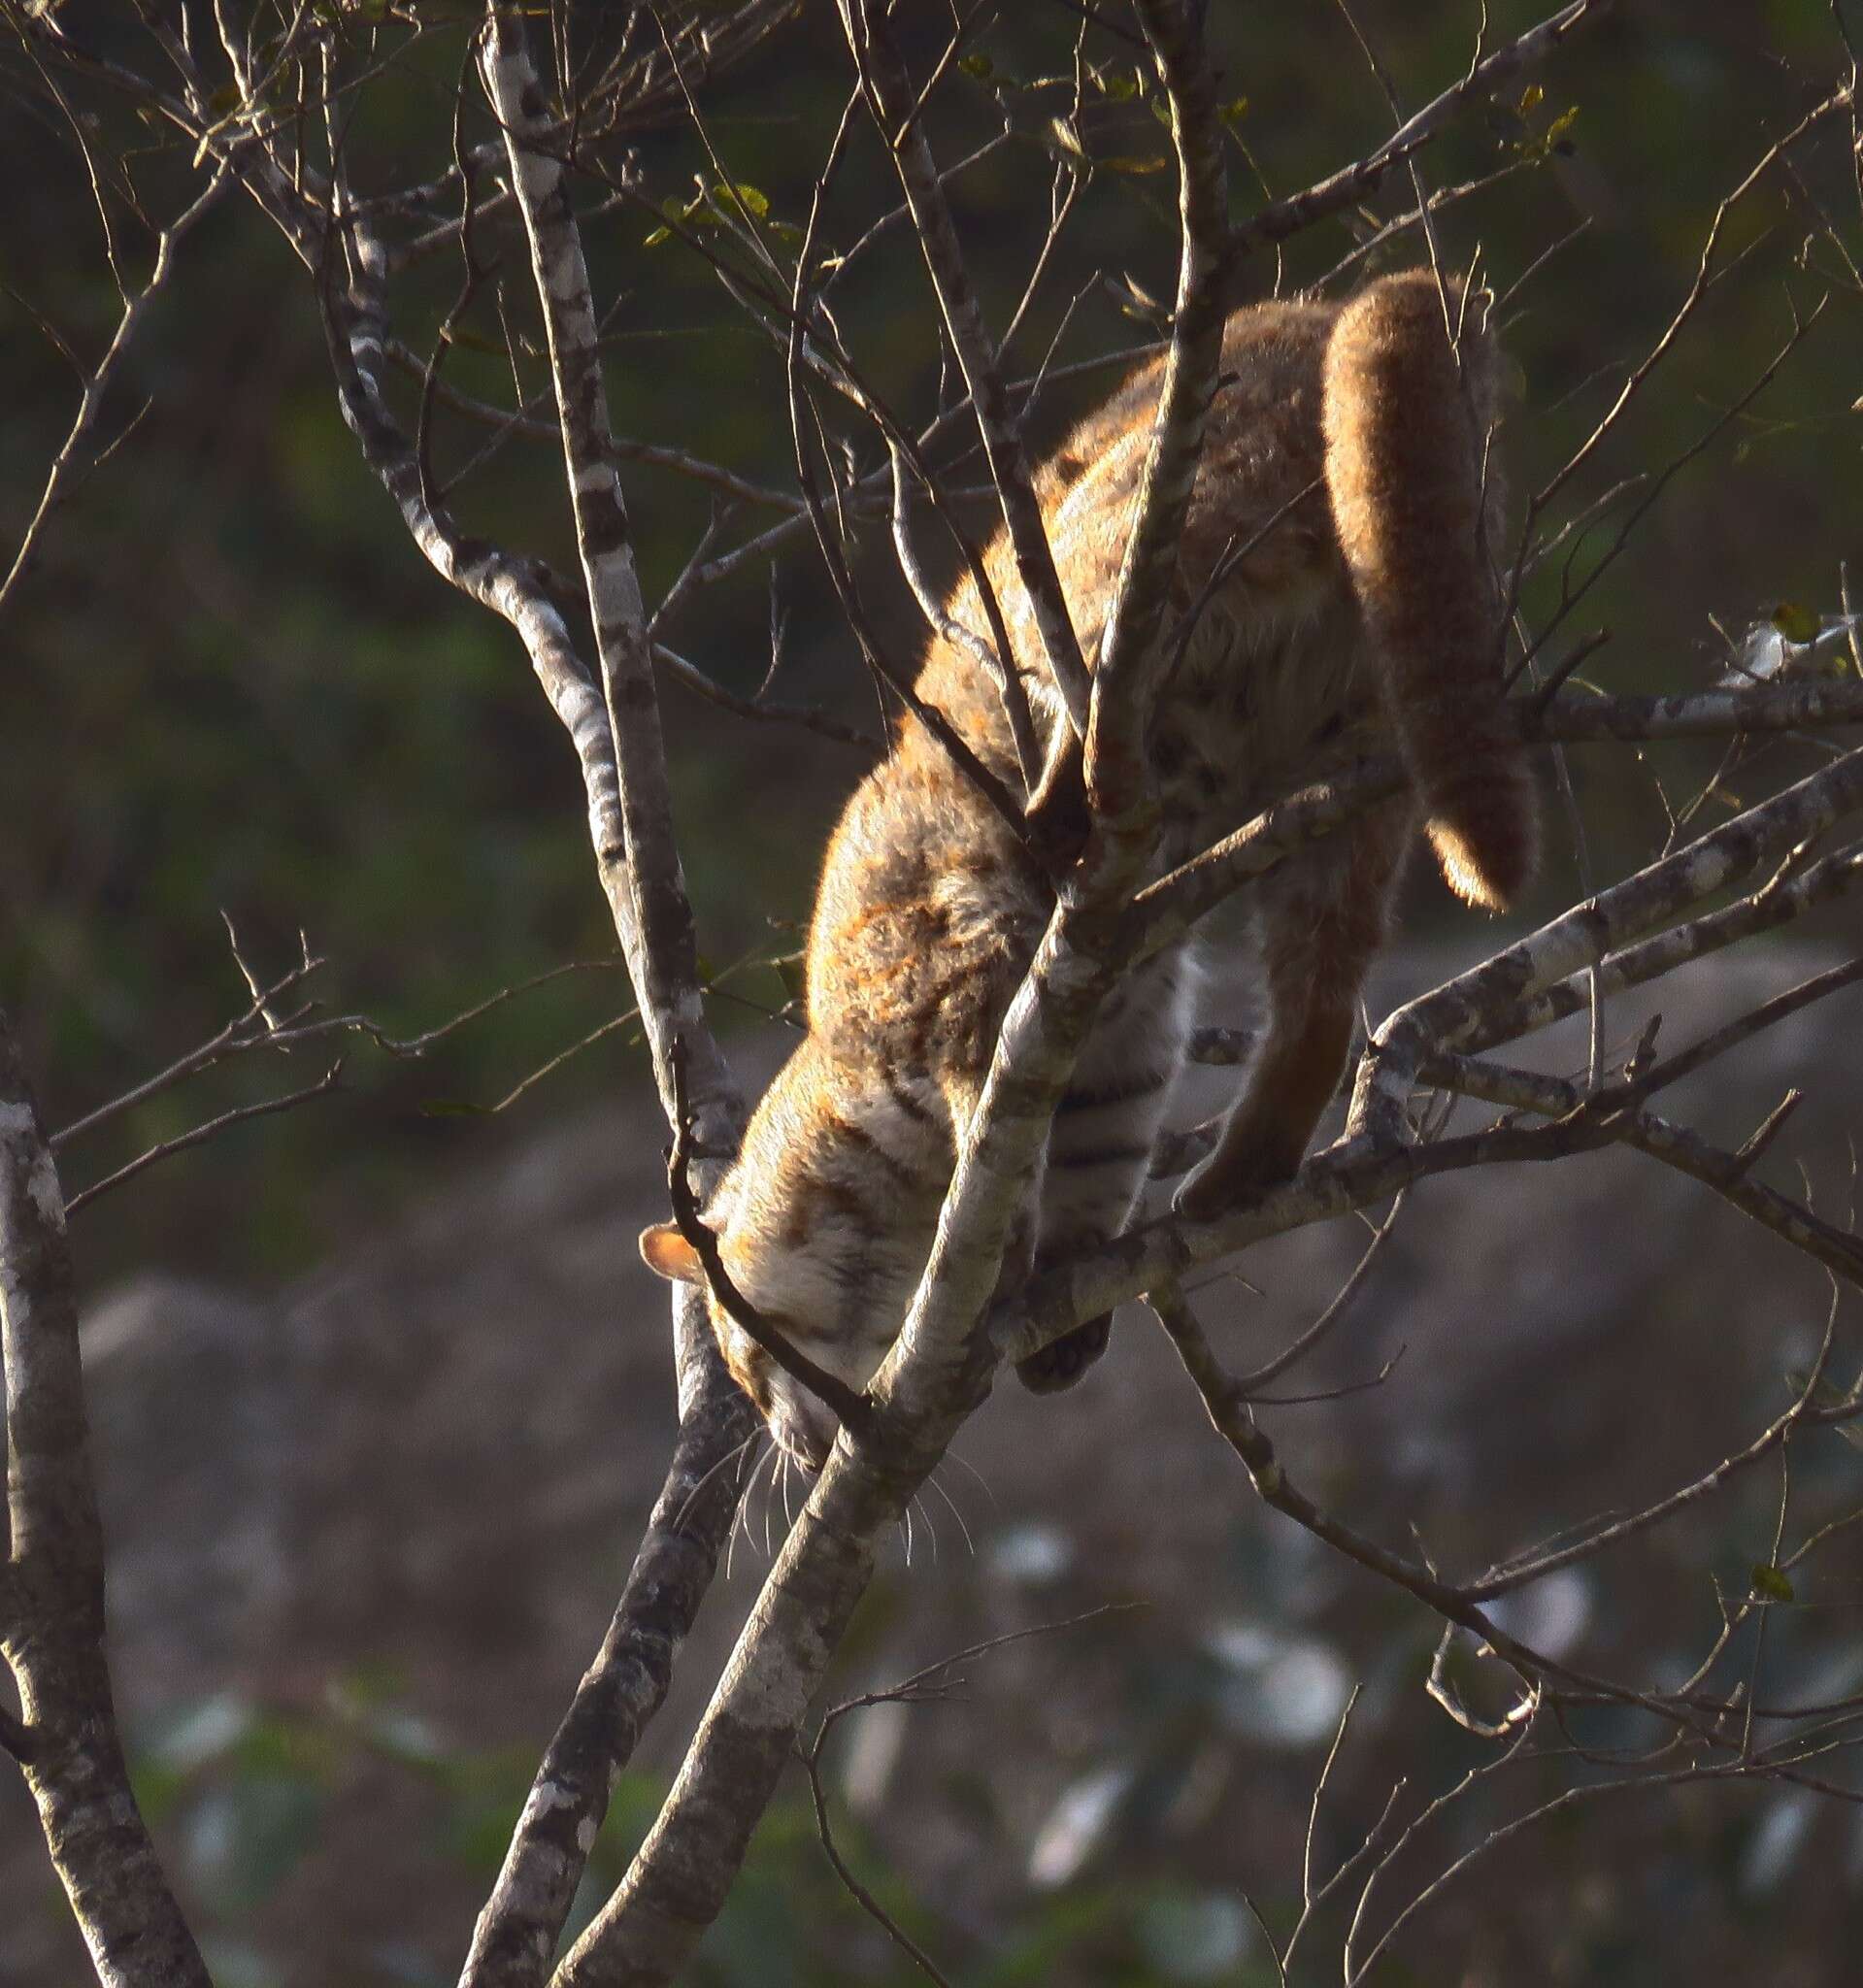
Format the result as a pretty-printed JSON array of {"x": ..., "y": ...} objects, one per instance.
[{"x": 1061, "y": 1362}]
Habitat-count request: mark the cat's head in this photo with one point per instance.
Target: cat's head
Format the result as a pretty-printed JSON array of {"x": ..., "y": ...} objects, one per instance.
[{"x": 790, "y": 1274}]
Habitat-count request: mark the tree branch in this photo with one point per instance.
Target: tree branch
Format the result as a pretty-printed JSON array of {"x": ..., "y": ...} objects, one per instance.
[
  {"x": 1459, "y": 1016},
  {"x": 1132, "y": 650},
  {"x": 641, "y": 872},
  {"x": 896, "y": 111},
  {"x": 198, "y": 1134},
  {"x": 53, "y": 1632},
  {"x": 1282, "y": 219},
  {"x": 98, "y": 382},
  {"x": 654, "y": 918}
]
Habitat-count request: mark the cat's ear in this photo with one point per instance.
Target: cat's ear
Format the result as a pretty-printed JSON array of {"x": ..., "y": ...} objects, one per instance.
[{"x": 665, "y": 1251}]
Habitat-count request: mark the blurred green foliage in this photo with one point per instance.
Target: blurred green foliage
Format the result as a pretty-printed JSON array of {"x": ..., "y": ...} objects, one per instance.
[
  {"x": 247, "y": 1792},
  {"x": 1125, "y": 1872}
]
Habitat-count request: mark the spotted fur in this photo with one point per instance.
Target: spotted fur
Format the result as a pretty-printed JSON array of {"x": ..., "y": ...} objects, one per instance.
[{"x": 1347, "y": 450}]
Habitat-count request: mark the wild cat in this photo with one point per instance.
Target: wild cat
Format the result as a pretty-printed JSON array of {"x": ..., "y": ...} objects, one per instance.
[{"x": 1346, "y": 457}]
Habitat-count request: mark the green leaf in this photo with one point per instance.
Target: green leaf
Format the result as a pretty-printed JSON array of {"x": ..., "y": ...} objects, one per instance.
[
  {"x": 1770, "y": 1583},
  {"x": 1531, "y": 98},
  {"x": 1064, "y": 135},
  {"x": 1117, "y": 85},
  {"x": 1555, "y": 138},
  {"x": 977, "y": 65},
  {"x": 1234, "y": 110},
  {"x": 675, "y": 210},
  {"x": 747, "y": 199}
]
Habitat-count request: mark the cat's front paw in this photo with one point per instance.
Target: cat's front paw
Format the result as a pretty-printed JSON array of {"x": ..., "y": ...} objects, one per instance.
[
  {"x": 1061, "y": 1362},
  {"x": 1227, "y": 1182}
]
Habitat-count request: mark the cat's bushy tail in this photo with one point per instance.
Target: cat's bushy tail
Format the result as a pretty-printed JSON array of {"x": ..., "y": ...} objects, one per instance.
[{"x": 1406, "y": 432}]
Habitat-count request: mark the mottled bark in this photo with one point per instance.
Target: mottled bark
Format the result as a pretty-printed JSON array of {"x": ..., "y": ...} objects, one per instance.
[
  {"x": 934, "y": 1378},
  {"x": 655, "y": 917},
  {"x": 52, "y": 1630},
  {"x": 1781, "y": 899},
  {"x": 638, "y": 860},
  {"x": 1520, "y": 988},
  {"x": 1458, "y": 1015},
  {"x": 1781, "y": 707},
  {"x": 617, "y": 1696}
]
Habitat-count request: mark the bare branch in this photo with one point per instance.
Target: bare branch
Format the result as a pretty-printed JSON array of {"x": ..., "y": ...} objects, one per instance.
[
  {"x": 1837, "y": 1249},
  {"x": 1780, "y": 706},
  {"x": 690, "y": 675},
  {"x": 1132, "y": 652},
  {"x": 1235, "y": 1423},
  {"x": 1282, "y": 219},
  {"x": 16, "y": 1738},
  {"x": 895, "y": 105},
  {"x": 69, "y": 464},
  {"x": 199, "y": 1134},
  {"x": 256, "y": 1027},
  {"x": 934, "y": 1681},
  {"x": 1457, "y": 1016},
  {"x": 854, "y": 1409},
  {"x": 53, "y": 1629},
  {"x": 656, "y": 926},
  {"x": 641, "y": 872},
  {"x": 1697, "y": 289},
  {"x": 618, "y": 1694},
  {"x": 999, "y": 668},
  {"x": 810, "y": 1758},
  {"x": 1256, "y": 1378}
]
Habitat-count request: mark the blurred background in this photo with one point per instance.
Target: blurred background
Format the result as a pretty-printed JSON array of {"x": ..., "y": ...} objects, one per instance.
[{"x": 381, "y": 1395}]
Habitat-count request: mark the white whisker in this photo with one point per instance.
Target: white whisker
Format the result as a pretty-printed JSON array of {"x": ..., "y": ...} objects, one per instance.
[
  {"x": 964, "y": 1463},
  {"x": 744, "y": 1510},
  {"x": 935, "y": 1485},
  {"x": 730, "y": 1456},
  {"x": 924, "y": 1513}
]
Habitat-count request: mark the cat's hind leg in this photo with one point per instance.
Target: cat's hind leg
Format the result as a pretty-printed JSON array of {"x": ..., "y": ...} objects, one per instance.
[
  {"x": 1099, "y": 1149},
  {"x": 1320, "y": 920}
]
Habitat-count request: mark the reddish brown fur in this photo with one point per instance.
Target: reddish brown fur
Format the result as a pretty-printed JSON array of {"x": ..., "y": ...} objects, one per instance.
[
  {"x": 1405, "y": 445},
  {"x": 1367, "y": 609}
]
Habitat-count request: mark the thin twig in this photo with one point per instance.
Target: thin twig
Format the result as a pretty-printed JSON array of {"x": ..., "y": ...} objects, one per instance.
[
  {"x": 855, "y": 1408},
  {"x": 210, "y": 1128}
]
